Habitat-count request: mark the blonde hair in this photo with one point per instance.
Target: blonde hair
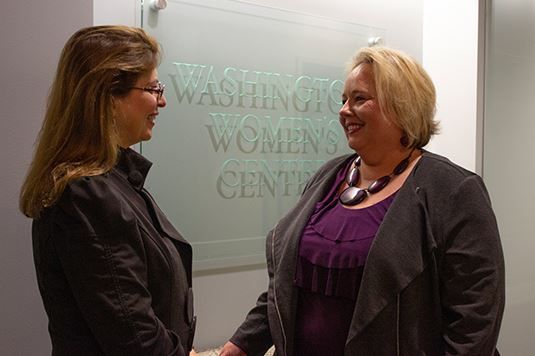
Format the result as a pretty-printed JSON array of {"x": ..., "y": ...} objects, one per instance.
[
  {"x": 405, "y": 92},
  {"x": 78, "y": 136}
]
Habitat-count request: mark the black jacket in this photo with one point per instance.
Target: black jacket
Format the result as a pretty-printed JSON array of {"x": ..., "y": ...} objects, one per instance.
[
  {"x": 433, "y": 283},
  {"x": 114, "y": 274}
]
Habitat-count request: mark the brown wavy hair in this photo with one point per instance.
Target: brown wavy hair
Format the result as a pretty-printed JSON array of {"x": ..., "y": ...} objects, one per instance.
[
  {"x": 78, "y": 136},
  {"x": 405, "y": 92}
]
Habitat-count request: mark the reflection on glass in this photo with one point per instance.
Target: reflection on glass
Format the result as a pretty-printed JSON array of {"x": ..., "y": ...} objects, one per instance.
[{"x": 253, "y": 96}]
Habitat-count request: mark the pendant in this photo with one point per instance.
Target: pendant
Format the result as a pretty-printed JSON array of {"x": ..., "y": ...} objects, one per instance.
[{"x": 353, "y": 196}]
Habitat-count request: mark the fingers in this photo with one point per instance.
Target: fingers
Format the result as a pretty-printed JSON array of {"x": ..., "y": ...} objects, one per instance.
[{"x": 229, "y": 349}]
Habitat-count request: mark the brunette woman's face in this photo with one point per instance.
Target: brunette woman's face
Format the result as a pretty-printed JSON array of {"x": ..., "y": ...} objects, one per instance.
[{"x": 135, "y": 113}]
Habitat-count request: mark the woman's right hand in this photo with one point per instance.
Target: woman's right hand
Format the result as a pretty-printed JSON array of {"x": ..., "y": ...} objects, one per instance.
[{"x": 229, "y": 349}]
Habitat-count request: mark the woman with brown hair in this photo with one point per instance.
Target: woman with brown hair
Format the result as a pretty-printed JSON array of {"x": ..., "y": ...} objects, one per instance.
[{"x": 114, "y": 274}]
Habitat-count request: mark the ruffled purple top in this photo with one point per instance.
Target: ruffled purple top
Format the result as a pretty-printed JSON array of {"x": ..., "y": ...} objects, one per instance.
[{"x": 332, "y": 254}]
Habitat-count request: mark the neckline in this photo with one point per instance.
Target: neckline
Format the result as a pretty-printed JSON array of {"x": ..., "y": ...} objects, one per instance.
[
  {"x": 353, "y": 195},
  {"x": 356, "y": 207},
  {"x": 415, "y": 163}
]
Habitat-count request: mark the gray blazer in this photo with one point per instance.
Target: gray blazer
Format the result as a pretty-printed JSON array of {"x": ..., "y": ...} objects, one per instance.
[{"x": 433, "y": 283}]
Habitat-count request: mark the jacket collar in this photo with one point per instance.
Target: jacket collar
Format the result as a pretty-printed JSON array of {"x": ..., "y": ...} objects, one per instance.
[
  {"x": 133, "y": 167},
  {"x": 401, "y": 250}
]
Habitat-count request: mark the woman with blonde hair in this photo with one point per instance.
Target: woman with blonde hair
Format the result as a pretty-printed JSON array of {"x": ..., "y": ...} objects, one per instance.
[
  {"x": 114, "y": 274},
  {"x": 392, "y": 250}
]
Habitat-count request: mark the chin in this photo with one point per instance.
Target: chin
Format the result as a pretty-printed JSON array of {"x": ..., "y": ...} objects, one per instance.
[
  {"x": 147, "y": 136},
  {"x": 353, "y": 145}
]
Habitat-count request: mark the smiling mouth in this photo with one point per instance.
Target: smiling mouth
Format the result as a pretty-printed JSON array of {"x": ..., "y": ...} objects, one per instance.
[{"x": 350, "y": 128}]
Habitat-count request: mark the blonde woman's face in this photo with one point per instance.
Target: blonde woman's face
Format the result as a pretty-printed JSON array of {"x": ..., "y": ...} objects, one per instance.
[
  {"x": 361, "y": 117},
  {"x": 136, "y": 113}
]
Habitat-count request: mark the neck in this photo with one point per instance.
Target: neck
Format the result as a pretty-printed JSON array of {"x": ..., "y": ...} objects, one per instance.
[
  {"x": 374, "y": 166},
  {"x": 358, "y": 189}
]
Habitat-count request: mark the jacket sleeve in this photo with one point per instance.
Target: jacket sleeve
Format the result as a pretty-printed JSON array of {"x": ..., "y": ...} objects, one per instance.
[
  {"x": 254, "y": 335},
  {"x": 471, "y": 269},
  {"x": 98, "y": 242}
]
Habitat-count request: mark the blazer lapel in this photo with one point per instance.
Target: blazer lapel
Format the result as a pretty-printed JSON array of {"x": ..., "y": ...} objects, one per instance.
[
  {"x": 400, "y": 252},
  {"x": 286, "y": 237},
  {"x": 163, "y": 223},
  {"x": 156, "y": 224},
  {"x": 165, "y": 227}
]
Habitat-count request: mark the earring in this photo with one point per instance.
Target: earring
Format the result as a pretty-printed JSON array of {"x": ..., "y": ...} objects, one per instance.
[{"x": 404, "y": 140}]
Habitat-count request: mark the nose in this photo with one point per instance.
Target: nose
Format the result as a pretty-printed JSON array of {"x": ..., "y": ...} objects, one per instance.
[
  {"x": 162, "y": 102},
  {"x": 344, "y": 110}
]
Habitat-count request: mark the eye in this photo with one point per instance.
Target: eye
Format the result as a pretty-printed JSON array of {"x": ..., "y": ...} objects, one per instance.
[{"x": 344, "y": 100}]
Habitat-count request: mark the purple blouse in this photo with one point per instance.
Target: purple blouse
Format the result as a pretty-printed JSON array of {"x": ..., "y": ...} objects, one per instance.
[{"x": 332, "y": 253}]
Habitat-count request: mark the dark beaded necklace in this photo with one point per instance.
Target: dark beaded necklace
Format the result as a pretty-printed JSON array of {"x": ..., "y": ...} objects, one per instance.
[{"x": 354, "y": 195}]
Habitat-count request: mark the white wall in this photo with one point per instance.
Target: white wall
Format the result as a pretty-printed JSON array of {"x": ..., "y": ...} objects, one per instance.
[
  {"x": 508, "y": 165},
  {"x": 32, "y": 34},
  {"x": 124, "y": 12},
  {"x": 452, "y": 55}
]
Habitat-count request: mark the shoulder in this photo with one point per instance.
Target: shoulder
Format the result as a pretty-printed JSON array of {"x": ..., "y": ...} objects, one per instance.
[
  {"x": 94, "y": 203},
  {"x": 329, "y": 169},
  {"x": 88, "y": 188},
  {"x": 444, "y": 181},
  {"x": 436, "y": 168},
  {"x": 337, "y": 162}
]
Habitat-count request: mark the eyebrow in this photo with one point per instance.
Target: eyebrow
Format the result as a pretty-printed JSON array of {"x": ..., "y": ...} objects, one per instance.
[{"x": 358, "y": 91}]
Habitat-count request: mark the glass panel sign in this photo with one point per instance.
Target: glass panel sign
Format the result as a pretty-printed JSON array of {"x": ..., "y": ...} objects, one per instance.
[{"x": 253, "y": 95}]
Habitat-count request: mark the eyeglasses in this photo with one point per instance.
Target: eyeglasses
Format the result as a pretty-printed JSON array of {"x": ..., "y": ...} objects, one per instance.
[{"x": 157, "y": 90}]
